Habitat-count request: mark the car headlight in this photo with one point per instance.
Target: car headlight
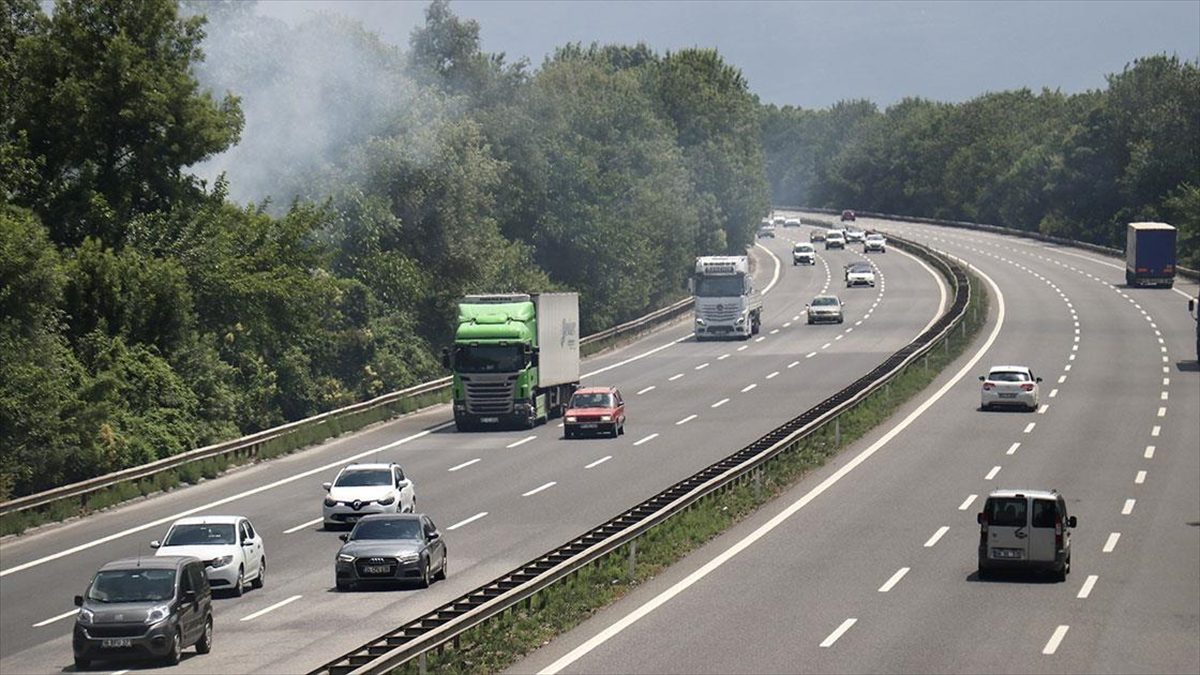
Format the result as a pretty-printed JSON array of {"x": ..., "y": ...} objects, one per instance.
[
  {"x": 387, "y": 500},
  {"x": 222, "y": 561},
  {"x": 86, "y": 617},
  {"x": 330, "y": 501},
  {"x": 700, "y": 322},
  {"x": 409, "y": 557},
  {"x": 606, "y": 418},
  {"x": 570, "y": 418},
  {"x": 345, "y": 557},
  {"x": 741, "y": 320},
  {"x": 158, "y": 613}
]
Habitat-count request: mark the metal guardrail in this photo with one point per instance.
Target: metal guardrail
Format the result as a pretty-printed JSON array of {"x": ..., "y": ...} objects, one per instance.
[
  {"x": 446, "y": 623},
  {"x": 249, "y": 445},
  {"x": 1192, "y": 274}
]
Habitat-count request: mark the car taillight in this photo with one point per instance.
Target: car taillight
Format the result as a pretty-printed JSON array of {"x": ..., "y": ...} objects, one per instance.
[
  {"x": 988, "y": 386},
  {"x": 1058, "y": 532},
  {"x": 1027, "y": 387}
]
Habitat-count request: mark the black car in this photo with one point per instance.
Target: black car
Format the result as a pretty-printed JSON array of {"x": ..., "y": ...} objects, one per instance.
[
  {"x": 389, "y": 547},
  {"x": 144, "y": 607}
]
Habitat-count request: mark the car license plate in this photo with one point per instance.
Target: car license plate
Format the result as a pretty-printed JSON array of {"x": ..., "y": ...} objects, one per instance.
[
  {"x": 490, "y": 420},
  {"x": 1006, "y": 553},
  {"x": 377, "y": 569},
  {"x": 1008, "y": 395},
  {"x": 588, "y": 426},
  {"x": 115, "y": 643}
]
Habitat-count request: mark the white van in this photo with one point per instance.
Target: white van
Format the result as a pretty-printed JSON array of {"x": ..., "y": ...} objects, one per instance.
[{"x": 1025, "y": 529}]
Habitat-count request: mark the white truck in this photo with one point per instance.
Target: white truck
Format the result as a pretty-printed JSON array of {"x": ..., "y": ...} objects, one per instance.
[{"x": 727, "y": 303}]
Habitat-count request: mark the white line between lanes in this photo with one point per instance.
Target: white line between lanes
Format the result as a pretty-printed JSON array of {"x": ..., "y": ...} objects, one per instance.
[
  {"x": 720, "y": 403},
  {"x": 674, "y": 377},
  {"x": 687, "y": 419},
  {"x": 539, "y": 488},
  {"x": 967, "y": 502},
  {"x": 702, "y": 366},
  {"x": 464, "y": 464},
  {"x": 810, "y": 355},
  {"x": 1088, "y": 584},
  {"x": 631, "y": 359},
  {"x": 1055, "y": 639},
  {"x": 647, "y": 389},
  {"x": 468, "y": 521},
  {"x": 1149, "y": 454},
  {"x": 723, "y": 357},
  {"x": 598, "y": 462},
  {"x": 1029, "y": 427},
  {"x": 1128, "y": 508},
  {"x": 839, "y": 632},
  {"x": 992, "y": 474},
  {"x": 52, "y": 619},
  {"x": 937, "y": 536},
  {"x": 793, "y": 364},
  {"x": 302, "y": 526},
  {"x": 728, "y": 554},
  {"x": 749, "y": 387},
  {"x": 887, "y": 585},
  {"x": 1111, "y": 543},
  {"x": 772, "y": 374},
  {"x": 1140, "y": 478},
  {"x": 523, "y": 441},
  {"x": 281, "y": 603},
  {"x": 1012, "y": 448},
  {"x": 647, "y": 439}
]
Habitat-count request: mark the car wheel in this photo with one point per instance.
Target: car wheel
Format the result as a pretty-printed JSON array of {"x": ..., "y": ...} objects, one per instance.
[
  {"x": 82, "y": 663},
  {"x": 622, "y": 428},
  {"x": 425, "y": 579},
  {"x": 261, "y": 579},
  {"x": 239, "y": 585},
  {"x": 441, "y": 574},
  {"x": 982, "y": 574},
  {"x": 204, "y": 645},
  {"x": 172, "y": 657},
  {"x": 568, "y": 434}
]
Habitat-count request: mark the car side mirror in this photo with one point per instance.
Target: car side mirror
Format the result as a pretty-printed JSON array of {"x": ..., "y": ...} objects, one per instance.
[
  {"x": 327, "y": 486},
  {"x": 155, "y": 544},
  {"x": 446, "y": 357},
  {"x": 1191, "y": 305},
  {"x": 979, "y": 517},
  {"x": 1037, "y": 379},
  {"x": 402, "y": 483},
  {"x": 435, "y": 535},
  {"x": 982, "y": 378},
  {"x": 79, "y": 601},
  {"x": 344, "y": 537},
  {"x": 1071, "y": 521}
]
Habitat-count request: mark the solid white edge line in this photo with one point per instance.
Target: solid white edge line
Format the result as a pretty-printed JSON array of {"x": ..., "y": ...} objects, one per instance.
[
  {"x": 281, "y": 603},
  {"x": 631, "y": 359},
  {"x": 539, "y": 488},
  {"x": 895, "y": 579},
  {"x": 838, "y": 632},
  {"x": 775, "y": 276},
  {"x": 1055, "y": 639},
  {"x": 465, "y": 464},
  {"x": 1088, "y": 584},
  {"x": 472, "y": 519},
  {"x": 598, "y": 462},
  {"x": 301, "y": 526},
  {"x": 677, "y": 588},
  {"x": 52, "y": 619},
  {"x": 937, "y": 536}
]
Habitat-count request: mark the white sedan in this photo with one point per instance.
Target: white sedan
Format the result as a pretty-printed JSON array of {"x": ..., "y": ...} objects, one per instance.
[
  {"x": 1011, "y": 386},
  {"x": 232, "y": 550}
]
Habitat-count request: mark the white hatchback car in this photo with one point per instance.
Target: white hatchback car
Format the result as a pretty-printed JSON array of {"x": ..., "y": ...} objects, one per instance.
[
  {"x": 232, "y": 551},
  {"x": 875, "y": 242},
  {"x": 1012, "y": 386},
  {"x": 860, "y": 274},
  {"x": 361, "y": 489}
]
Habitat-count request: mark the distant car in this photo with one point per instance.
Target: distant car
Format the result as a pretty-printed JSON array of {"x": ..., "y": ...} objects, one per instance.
[
  {"x": 595, "y": 410},
  {"x": 144, "y": 607},
  {"x": 779, "y": 221},
  {"x": 766, "y": 230},
  {"x": 391, "y": 547},
  {"x": 825, "y": 309},
  {"x": 791, "y": 222},
  {"x": 835, "y": 239},
  {"x": 1009, "y": 386},
  {"x": 817, "y": 236},
  {"x": 847, "y": 216},
  {"x": 875, "y": 242},
  {"x": 854, "y": 235},
  {"x": 804, "y": 254},
  {"x": 363, "y": 489},
  {"x": 231, "y": 549},
  {"x": 1025, "y": 529},
  {"x": 860, "y": 274}
]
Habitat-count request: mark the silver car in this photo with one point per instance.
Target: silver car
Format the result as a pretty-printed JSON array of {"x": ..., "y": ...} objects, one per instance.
[
  {"x": 825, "y": 309},
  {"x": 1009, "y": 386}
]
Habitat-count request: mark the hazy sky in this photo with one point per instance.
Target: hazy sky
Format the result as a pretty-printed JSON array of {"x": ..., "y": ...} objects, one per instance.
[{"x": 813, "y": 54}]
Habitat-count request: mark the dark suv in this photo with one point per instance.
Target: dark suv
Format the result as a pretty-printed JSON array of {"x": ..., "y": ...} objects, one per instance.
[{"x": 144, "y": 607}]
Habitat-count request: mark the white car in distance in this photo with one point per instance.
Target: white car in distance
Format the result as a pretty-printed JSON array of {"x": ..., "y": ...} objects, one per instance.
[
  {"x": 804, "y": 254},
  {"x": 875, "y": 242},
  {"x": 231, "y": 549},
  {"x": 362, "y": 489},
  {"x": 1010, "y": 386},
  {"x": 860, "y": 274}
]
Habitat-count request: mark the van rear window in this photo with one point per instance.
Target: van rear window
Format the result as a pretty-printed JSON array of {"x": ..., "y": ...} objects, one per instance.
[
  {"x": 1044, "y": 511},
  {"x": 1006, "y": 511}
]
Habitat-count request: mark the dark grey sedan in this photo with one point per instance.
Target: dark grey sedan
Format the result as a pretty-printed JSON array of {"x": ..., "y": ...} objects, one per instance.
[{"x": 390, "y": 547}]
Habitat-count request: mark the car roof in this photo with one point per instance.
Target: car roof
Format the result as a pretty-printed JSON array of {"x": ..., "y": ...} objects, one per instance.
[
  {"x": 860, "y": 267},
  {"x": 827, "y": 296},
  {"x": 1019, "y": 369},
  {"x": 203, "y": 520},
  {"x": 874, "y": 234},
  {"x": 369, "y": 465},
  {"x": 1007, "y": 492},
  {"x": 161, "y": 562},
  {"x": 595, "y": 390},
  {"x": 391, "y": 516}
]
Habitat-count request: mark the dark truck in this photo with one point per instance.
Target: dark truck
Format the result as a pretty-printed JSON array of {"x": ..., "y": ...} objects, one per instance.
[{"x": 1150, "y": 255}]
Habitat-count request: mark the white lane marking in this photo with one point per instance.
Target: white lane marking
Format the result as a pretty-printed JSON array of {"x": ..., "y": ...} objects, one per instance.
[
  {"x": 1163, "y": 396},
  {"x": 631, "y": 359},
  {"x": 810, "y": 355},
  {"x": 749, "y": 387},
  {"x": 1055, "y": 639},
  {"x": 1088, "y": 584},
  {"x": 1029, "y": 427},
  {"x": 213, "y": 504},
  {"x": 674, "y": 377},
  {"x": 281, "y": 603},
  {"x": 1155, "y": 431},
  {"x": 1053, "y": 393},
  {"x": 598, "y": 462},
  {"x": 523, "y": 441},
  {"x": 1128, "y": 508},
  {"x": 841, "y": 630},
  {"x": 1166, "y": 381},
  {"x": 992, "y": 474},
  {"x": 120, "y": 672},
  {"x": 1067, "y": 367},
  {"x": 702, "y": 366},
  {"x": 759, "y": 339},
  {"x": 468, "y": 521},
  {"x": 826, "y": 345},
  {"x": 1012, "y": 448},
  {"x": 1111, "y": 543},
  {"x": 772, "y": 374},
  {"x": 858, "y": 323},
  {"x": 895, "y": 579},
  {"x": 646, "y": 439},
  {"x": 1166, "y": 369},
  {"x": 743, "y": 348},
  {"x": 787, "y": 324},
  {"x": 723, "y": 357},
  {"x": 302, "y": 526},
  {"x": 539, "y": 488},
  {"x": 967, "y": 502},
  {"x": 52, "y": 619},
  {"x": 687, "y": 419},
  {"x": 720, "y": 403},
  {"x": 839, "y": 337},
  {"x": 775, "y": 275},
  {"x": 1139, "y": 478},
  {"x": 1062, "y": 378},
  {"x": 1162, "y": 412},
  {"x": 793, "y": 364},
  {"x": 1044, "y": 407},
  {"x": 1071, "y": 357},
  {"x": 796, "y": 318},
  {"x": 464, "y": 464},
  {"x": 647, "y": 389},
  {"x": 774, "y": 331},
  {"x": 726, "y": 555},
  {"x": 936, "y": 536},
  {"x": 1149, "y": 452}
]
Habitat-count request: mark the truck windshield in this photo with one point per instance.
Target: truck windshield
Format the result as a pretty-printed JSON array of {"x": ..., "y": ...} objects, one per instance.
[
  {"x": 488, "y": 358},
  {"x": 719, "y": 287}
]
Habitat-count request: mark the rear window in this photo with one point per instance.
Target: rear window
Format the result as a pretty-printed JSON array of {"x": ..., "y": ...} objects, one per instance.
[
  {"x": 1007, "y": 511},
  {"x": 1008, "y": 376},
  {"x": 1044, "y": 511}
]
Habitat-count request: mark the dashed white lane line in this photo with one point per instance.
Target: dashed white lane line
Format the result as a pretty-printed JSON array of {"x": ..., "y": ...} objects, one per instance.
[
  {"x": 839, "y": 632},
  {"x": 674, "y": 377},
  {"x": 598, "y": 462},
  {"x": 1088, "y": 584},
  {"x": 1062, "y": 378},
  {"x": 796, "y": 318},
  {"x": 759, "y": 339},
  {"x": 772, "y": 374},
  {"x": 1053, "y": 393},
  {"x": 840, "y": 336},
  {"x": 1012, "y": 448},
  {"x": 1166, "y": 381},
  {"x": 723, "y": 357},
  {"x": 52, "y": 619},
  {"x": 687, "y": 419},
  {"x": 787, "y": 324},
  {"x": 1162, "y": 412},
  {"x": 749, "y": 387},
  {"x": 1055, "y": 639},
  {"x": 1111, "y": 543},
  {"x": 743, "y": 348},
  {"x": 793, "y": 364},
  {"x": 1029, "y": 427},
  {"x": 967, "y": 502},
  {"x": 468, "y": 521},
  {"x": 264, "y": 610},
  {"x": 1155, "y": 431},
  {"x": 773, "y": 332},
  {"x": 301, "y": 526},
  {"x": 1067, "y": 367},
  {"x": 702, "y": 366},
  {"x": 1128, "y": 508},
  {"x": 647, "y": 390},
  {"x": 1139, "y": 478},
  {"x": 720, "y": 403},
  {"x": 1149, "y": 454},
  {"x": 1163, "y": 396},
  {"x": 647, "y": 439},
  {"x": 895, "y": 579},
  {"x": 826, "y": 345},
  {"x": 523, "y": 441},
  {"x": 464, "y": 464},
  {"x": 992, "y": 474},
  {"x": 936, "y": 536},
  {"x": 539, "y": 488},
  {"x": 1044, "y": 407},
  {"x": 810, "y": 355}
]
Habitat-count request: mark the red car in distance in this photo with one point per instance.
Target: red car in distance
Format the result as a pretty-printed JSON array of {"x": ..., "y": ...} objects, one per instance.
[
  {"x": 595, "y": 410},
  {"x": 847, "y": 216}
]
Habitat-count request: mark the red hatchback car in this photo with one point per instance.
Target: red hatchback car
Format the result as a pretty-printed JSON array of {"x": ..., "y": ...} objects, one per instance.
[{"x": 595, "y": 410}]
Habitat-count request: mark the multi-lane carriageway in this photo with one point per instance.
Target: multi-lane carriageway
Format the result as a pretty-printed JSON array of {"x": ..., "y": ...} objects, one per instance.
[
  {"x": 501, "y": 498},
  {"x": 869, "y": 564}
]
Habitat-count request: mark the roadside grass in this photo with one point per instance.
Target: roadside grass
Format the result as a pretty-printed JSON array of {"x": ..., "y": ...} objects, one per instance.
[{"x": 504, "y": 640}]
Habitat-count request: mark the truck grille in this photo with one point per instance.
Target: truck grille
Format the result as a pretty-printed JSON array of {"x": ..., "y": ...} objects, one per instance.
[
  {"x": 489, "y": 397},
  {"x": 719, "y": 313}
]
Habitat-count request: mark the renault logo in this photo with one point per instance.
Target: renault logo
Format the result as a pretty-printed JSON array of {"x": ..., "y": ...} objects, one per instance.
[{"x": 356, "y": 504}]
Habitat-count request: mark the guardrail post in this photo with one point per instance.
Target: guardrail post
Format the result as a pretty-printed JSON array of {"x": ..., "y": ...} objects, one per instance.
[
  {"x": 925, "y": 362},
  {"x": 633, "y": 560},
  {"x": 758, "y": 474},
  {"x": 837, "y": 432},
  {"x": 421, "y": 664}
]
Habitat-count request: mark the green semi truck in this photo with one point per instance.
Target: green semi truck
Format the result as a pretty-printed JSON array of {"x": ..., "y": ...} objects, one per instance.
[{"x": 515, "y": 359}]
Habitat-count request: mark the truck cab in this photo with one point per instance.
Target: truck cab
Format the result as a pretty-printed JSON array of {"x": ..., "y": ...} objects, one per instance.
[{"x": 727, "y": 303}]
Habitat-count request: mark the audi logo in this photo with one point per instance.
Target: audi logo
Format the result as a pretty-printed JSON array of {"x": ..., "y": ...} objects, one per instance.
[{"x": 376, "y": 561}]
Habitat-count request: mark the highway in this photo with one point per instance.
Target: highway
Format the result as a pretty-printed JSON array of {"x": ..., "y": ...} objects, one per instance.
[
  {"x": 868, "y": 564},
  {"x": 501, "y": 498}
]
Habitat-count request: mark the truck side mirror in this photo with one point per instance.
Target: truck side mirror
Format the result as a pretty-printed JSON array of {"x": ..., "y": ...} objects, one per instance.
[
  {"x": 533, "y": 359},
  {"x": 692, "y": 285},
  {"x": 446, "y": 357},
  {"x": 1191, "y": 305}
]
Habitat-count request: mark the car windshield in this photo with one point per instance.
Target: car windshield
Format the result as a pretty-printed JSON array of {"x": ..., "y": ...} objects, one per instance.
[
  {"x": 591, "y": 401},
  {"x": 488, "y": 358},
  {"x": 719, "y": 287},
  {"x": 136, "y": 585},
  {"x": 364, "y": 478},
  {"x": 875, "y": 237},
  {"x": 860, "y": 268},
  {"x": 1006, "y": 511},
  {"x": 387, "y": 528},
  {"x": 825, "y": 302},
  {"x": 1008, "y": 376},
  {"x": 803, "y": 248},
  {"x": 201, "y": 534}
]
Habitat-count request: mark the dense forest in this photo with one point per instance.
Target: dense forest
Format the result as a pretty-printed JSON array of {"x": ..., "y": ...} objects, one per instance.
[
  {"x": 143, "y": 311},
  {"x": 1078, "y": 166}
]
